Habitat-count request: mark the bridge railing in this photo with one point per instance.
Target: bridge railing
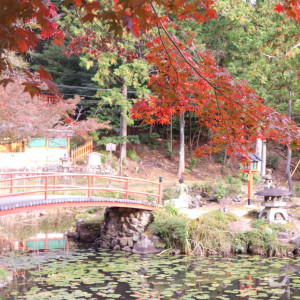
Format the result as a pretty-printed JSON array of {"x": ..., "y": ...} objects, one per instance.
[{"x": 90, "y": 185}]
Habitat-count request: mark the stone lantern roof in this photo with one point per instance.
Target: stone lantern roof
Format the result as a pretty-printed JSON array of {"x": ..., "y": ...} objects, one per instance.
[{"x": 273, "y": 192}]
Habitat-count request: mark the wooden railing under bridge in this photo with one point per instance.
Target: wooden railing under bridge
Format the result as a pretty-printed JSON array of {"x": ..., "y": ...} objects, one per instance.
[
  {"x": 21, "y": 192},
  {"x": 81, "y": 151}
]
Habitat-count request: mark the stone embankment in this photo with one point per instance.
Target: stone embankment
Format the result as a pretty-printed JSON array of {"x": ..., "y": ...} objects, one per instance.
[{"x": 122, "y": 229}]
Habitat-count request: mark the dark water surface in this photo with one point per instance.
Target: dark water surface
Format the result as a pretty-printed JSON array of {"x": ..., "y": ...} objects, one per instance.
[{"x": 95, "y": 274}]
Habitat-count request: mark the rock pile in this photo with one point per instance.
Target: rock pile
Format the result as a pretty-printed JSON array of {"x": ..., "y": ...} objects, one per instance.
[{"x": 124, "y": 228}]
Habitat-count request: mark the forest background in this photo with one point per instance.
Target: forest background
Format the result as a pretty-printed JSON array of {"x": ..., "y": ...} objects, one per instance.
[{"x": 250, "y": 39}]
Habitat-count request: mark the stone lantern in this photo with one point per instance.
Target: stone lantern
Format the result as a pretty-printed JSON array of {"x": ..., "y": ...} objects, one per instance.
[
  {"x": 273, "y": 204},
  {"x": 268, "y": 180},
  {"x": 65, "y": 163},
  {"x": 250, "y": 166}
]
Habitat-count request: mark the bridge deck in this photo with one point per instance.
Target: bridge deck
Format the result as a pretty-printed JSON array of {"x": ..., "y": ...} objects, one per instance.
[
  {"x": 21, "y": 192},
  {"x": 24, "y": 203}
]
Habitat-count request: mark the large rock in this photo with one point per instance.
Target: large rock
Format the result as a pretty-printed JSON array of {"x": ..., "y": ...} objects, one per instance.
[
  {"x": 146, "y": 245},
  {"x": 296, "y": 241}
]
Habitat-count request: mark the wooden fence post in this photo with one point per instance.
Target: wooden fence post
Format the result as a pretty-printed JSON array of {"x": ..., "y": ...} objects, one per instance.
[
  {"x": 126, "y": 188},
  {"x": 93, "y": 191},
  {"x": 11, "y": 183},
  {"x": 89, "y": 186}
]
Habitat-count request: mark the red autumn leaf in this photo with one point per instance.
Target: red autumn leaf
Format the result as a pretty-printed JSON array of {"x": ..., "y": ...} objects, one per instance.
[
  {"x": 44, "y": 74},
  {"x": 31, "y": 88},
  {"x": 5, "y": 81},
  {"x": 279, "y": 8},
  {"x": 78, "y": 3}
]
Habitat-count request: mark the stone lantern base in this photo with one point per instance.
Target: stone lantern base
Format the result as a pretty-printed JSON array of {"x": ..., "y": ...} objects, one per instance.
[{"x": 271, "y": 212}]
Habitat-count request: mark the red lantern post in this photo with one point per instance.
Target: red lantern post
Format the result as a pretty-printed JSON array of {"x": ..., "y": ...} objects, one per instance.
[{"x": 250, "y": 166}]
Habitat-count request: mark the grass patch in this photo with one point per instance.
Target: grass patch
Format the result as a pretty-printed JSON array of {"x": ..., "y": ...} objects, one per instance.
[
  {"x": 133, "y": 155},
  {"x": 263, "y": 224},
  {"x": 211, "y": 234},
  {"x": 171, "y": 227},
  {"x": 260, "y": 242}
]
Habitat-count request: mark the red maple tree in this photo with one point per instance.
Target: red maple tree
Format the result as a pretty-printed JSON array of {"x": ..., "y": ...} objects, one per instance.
[
  {"x": 23, "y": 116},
  {"x": 183, "y": 82}
]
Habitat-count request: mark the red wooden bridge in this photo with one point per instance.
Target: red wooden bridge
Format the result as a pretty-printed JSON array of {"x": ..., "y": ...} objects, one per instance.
[{"x": 24, "y": 192}]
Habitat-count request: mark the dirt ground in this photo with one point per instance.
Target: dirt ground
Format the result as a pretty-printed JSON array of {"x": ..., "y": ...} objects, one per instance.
[{"x": 154, "y": 163}]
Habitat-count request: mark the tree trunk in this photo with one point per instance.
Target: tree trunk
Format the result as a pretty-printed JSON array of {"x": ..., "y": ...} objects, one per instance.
[
  {"x": 264, "y": 159},
  {"x": 181, "y": 167},
  {"x": 123, "y": 132},
  {"x": 288, "y": 168},
  {"x": 261, "y": 151},
  {"x": 191, "y": 144},
  {"x": 171, "y": 134},
  {"x": 289, "y": 152}
]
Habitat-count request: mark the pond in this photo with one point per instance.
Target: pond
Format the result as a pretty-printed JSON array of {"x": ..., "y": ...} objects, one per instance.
[{"x": 83, "y": 272}]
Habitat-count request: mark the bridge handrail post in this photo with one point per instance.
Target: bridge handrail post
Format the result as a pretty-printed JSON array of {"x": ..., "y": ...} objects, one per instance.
[
  {"x": 89, "y": 186},
  {"x": 93, "y": 191},
  {"x": 160, "y": 191},
  {"x": 11, "y": 183},
  {"x": 54, "y": 184},
  {"x": 46, "y": 187},
  {"x": 126, "y": 188}
]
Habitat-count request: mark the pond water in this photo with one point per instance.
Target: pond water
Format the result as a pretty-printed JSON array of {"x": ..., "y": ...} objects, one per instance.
[
  {"x": 94, "y": 274},
  {"x": 82, "y": 272}
]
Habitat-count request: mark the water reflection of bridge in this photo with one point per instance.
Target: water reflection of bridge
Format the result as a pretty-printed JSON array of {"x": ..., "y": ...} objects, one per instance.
[
  {"x": 40, "y": 242},
  {"x": 24, "y": 192}
]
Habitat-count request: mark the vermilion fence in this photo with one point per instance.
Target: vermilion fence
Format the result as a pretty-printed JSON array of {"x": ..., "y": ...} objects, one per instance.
[
  {"x": 82, "y": 151},
  {"x": 19, "y": 183}
]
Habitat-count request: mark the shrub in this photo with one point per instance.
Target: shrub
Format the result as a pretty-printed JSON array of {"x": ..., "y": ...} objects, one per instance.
[
  {"x": 273, "y": 161},
  {"x": 254, "y": 213},
  {"x": 169, "y": 193},
  {"x": 172, "y": 210},
  {"x": 262, "y": 224},
  {"x": 235, "y": 185},
  {"x": 207, "y": 188},
  {"x": 263, "y": 243},
  {"x": 259, "y": 223},
  {"x": 167, "y": 146},
  {"x": 133, "y": 155},
  {"x": 221, "y": 190},
  {"x": 193, "y": 163},
  {"x": 211, "y": 234},
  {"x": 297, "y": 190},
  {"x": 172, "y": 229},
  {"x": 104, "y": 157},
  {"x": 92, "y": 210},
  {"x": 150, "y": 140},
  {"x": 244, "y": 178}
]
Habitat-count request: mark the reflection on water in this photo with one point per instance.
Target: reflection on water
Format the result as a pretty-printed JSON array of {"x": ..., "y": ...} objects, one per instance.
[
  {"x": 23, "y": 226},
  {"x": 40, "y": 242},
  {"x": 53, "y": 270}
]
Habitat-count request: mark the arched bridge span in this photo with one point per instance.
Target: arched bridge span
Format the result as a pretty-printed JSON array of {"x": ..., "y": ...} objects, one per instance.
[{"x": 24, "y": 191}]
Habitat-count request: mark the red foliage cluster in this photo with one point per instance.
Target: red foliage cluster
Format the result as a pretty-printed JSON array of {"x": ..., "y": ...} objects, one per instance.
[
  {"x": 290, "y": 7},
  {"x": 97, "y": 45},
  {"x": 230, "y": 109},
  {"x": 23, "y": 116},
  {"x": 17, "y": 33}
]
